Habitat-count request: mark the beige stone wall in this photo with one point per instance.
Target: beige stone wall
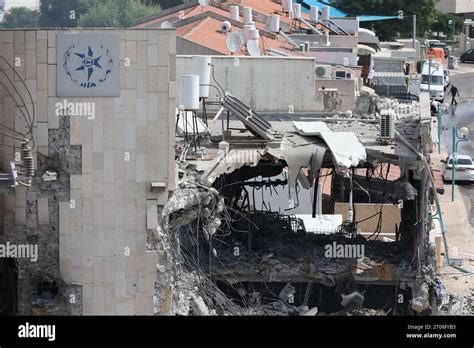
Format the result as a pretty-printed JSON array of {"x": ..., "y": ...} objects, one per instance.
[
  {"x": 391, "y": 216},
  {"x": 103, "y": 233},
  {"x": 456, "y": 6}
]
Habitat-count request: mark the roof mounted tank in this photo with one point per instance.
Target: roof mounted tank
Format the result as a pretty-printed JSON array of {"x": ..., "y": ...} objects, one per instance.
[
  {"x": 326, "y": 15},
  {"x": 314, "y": 13},
  {"x": 297, "y": 11},
  {"x": 234, "y": 13},
  {"x": 248, "y": 17},
  {"x": 275, "y": 23}
]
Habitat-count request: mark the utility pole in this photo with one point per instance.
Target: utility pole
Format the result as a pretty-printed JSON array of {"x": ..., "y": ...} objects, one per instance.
[{"x": 414, "y": 32}]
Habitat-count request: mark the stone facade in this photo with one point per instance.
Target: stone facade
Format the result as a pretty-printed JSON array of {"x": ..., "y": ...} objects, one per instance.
[{"x": 91, "y": 224}]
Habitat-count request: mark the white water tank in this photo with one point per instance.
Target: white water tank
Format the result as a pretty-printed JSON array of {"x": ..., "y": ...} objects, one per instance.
[
  {"x": 247, "y": 32},
  {"x": 255, "y": 34},
  {"x": 234, "y": 13},
  {"x": 248, "y": 15},
  {"x": 326, "y": 16},
  {"x": 275, "y": 23},
  {"x": 297, "y": 11},
  {"x": 314, "y": 13},
  {"x": 189, "y": 92},
  {"x": 201, "y": 67},
  {"x": 286, "y": 5}
]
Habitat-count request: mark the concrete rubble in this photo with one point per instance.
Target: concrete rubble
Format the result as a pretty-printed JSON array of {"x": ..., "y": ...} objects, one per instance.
[{"x": 229, "y": 257}]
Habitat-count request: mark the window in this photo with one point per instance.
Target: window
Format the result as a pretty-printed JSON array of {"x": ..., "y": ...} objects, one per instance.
[
  {"x": 462, "y": 162},
  {"x": 435, "y": 80}
]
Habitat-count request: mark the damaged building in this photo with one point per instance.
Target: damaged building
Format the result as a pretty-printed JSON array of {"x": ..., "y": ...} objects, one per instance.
[
  {"x": 157, "y": 184},
  {"x": 325, "y": 214}
]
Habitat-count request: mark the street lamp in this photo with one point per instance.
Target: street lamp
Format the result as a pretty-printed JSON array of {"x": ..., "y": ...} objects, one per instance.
[
  {"x": 423, "y": 46},
  {"x": 456, "y": 140},
  {"x": 442, "y": 108},
  {"x": 452, "y": 23}
]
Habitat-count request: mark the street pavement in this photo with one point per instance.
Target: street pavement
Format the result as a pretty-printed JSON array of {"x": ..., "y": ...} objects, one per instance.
[
  {"x": 459, "y": 215},
  {"x": 462, "y": 116}
]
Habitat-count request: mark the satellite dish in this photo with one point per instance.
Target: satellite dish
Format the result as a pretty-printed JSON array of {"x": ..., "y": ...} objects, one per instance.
[
  {"x": 240, "y": 32},
  {"x": 203, "y": 2},
  {"x": 233, "y": 42},
  {"x": 225, "y": 27},
  {"x": 166, "y": 25},
  {"x": 253, "y": 48}
]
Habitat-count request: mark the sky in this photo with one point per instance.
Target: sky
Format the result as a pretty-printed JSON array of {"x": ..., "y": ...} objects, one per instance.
[{"x": 20, "y": 3}]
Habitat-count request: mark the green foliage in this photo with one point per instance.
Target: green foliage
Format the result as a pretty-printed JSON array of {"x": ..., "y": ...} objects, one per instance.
[
  {"x": 441, "y": 24},
  {"x": 388, "y": 30},
  {"x": 114, "y": 13},
  {"x": 93, "y": 13},
  {"x": 164, "y": 4},
  {"x": 20, "y": 17},
  {"x": 59, "y": 13}
]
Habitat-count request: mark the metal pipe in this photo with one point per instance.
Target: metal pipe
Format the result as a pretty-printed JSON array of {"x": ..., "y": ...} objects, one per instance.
[
  {"x": 288, "y": 39},
  {"x": 310, "y": 26}
]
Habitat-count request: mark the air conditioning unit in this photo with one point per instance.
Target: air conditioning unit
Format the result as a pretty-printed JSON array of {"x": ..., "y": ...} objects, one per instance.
[
  {"x": 387, "y": 125},
  {"x": 323, "y": 71}
]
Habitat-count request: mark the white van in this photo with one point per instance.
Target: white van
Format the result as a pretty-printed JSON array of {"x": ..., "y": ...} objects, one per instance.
[{"x": 437, "y": 83}]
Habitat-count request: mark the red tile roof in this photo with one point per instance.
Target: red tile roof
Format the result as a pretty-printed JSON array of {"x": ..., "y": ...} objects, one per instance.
[{"x": 205, "y": 32}]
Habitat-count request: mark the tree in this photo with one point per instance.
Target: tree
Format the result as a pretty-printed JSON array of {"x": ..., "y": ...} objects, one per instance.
[
  {"x": 441, "y": 24},
  {"x": 113, "y": 13},
  {"x": 20, "y": 17},
  {"x": 93, "y": 13},
  {"x": 59, "y": 13},
  {"x": 388, "y": 30},
  {"x": 164, "y": 4}
]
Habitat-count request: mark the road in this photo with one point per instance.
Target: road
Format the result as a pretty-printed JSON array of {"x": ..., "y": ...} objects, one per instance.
[{"x": 462, "y": 116}]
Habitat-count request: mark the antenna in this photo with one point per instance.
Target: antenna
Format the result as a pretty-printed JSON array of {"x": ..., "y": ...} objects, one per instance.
[
  {"x": 233, "y": 42},
  {"x": 166, "y": 25},
  {"x": 253, "y": 48}
]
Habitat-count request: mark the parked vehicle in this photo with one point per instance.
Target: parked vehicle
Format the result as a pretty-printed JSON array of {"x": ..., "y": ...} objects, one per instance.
[
  {"x": 464, "y": 168},
  {"x": 467, "y": 56},
  {"x": 442, "y": 45},
  {"x": 447, "y": 78},
  {"x": 432, "y": 80}
]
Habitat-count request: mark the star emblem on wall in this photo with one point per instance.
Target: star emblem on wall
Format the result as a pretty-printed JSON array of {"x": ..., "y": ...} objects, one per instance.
[{"x": 88, "y": 63}]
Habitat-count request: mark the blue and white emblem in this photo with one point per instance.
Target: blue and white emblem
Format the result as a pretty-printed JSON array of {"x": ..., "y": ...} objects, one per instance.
[{"x": 89, "y": 67}]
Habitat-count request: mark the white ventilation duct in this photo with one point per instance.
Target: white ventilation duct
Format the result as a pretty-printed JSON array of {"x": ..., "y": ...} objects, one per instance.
[
  {"x": 275, "y": 23},
  {"x": 189, "y": 92},
  {"x": 326, "y": 16},
  {"x": 297, "y": 11},
  {"x": 248, "y": 18},
  {"x": 201, "y": 67},
  {"x": 234, "y": 13},
  {"x": 314, "y": 13}
]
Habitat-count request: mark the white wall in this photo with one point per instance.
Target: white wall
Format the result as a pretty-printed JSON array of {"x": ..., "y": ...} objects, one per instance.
[{"x": 264, "y": 83}]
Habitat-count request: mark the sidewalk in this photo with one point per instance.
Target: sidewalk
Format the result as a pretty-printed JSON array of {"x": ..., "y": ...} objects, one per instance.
[{"x": 460, "y": 235}]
